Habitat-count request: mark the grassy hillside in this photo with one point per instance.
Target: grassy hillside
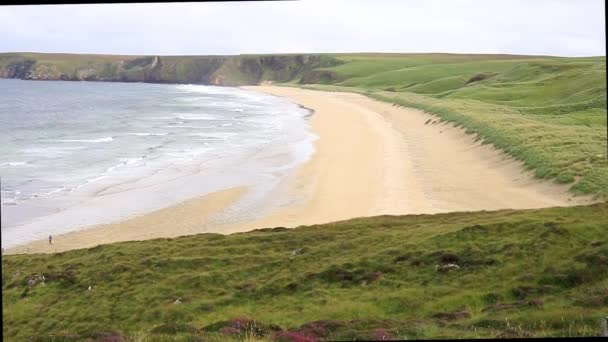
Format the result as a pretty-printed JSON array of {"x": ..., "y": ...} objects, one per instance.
[
  {"x": 520, "y": 274},
  {"x": 548, "y": 112}
]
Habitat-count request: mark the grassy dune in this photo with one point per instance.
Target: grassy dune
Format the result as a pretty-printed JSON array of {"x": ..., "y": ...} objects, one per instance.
[
  {"x": 548, "y": 112},
  {"x": 521, "y": 273}
]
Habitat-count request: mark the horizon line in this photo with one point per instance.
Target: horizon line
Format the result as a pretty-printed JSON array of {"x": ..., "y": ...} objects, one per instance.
[{"x": 302, "y": 53}]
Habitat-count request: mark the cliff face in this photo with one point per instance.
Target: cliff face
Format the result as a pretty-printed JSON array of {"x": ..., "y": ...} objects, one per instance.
[
  {"x": 209, "y": 70},
  {"x": 16, "y": 68}
]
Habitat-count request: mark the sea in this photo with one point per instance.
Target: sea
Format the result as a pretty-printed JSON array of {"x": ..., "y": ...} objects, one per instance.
[{"x": 76, "y": 154}]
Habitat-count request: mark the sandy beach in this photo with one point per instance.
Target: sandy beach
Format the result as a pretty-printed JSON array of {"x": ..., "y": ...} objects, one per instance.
[
  {"x": 188, "y": 217},
  {"x": 371, "y": 158}
]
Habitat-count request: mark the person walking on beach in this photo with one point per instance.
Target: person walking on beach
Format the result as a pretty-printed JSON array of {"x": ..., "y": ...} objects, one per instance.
[{"x": 50, "y": 239}]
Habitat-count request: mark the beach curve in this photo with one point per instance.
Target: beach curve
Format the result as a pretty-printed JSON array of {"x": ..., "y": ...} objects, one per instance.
[{"x": 371, "y": 158}]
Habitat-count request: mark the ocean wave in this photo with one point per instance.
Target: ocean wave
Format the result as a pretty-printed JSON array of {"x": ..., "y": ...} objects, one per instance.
[
  {"x": 147, "y": 134},
  {"x": 100, "y": 140},
  {"x": 213, "y": 135},
  {"x": 14, "y": 164},
  {"x": 9, "y": 196},
  {"x": 191, "y": 126},
  {"x": 196, "y": 117},
  {"x": 14, "y": 197},
  {"x": 9, "y": 201},
  {"x": 204, "y": 89},
  {"x": 123, "y": 162},
  {"x": 128, "y": 161},
  {"x": 151, "y": 118},
  {"x": 50, "y": 151}
]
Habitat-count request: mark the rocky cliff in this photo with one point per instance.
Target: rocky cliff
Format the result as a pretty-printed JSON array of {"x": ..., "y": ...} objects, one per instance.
[{"x": 209, "y": 70}]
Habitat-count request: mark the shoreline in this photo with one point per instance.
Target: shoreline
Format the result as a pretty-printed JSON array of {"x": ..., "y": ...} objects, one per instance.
[
  {"x": 411, "y": 167},
  {"x": 144, "y": 227},
  {"x": 372, "y": 158}
]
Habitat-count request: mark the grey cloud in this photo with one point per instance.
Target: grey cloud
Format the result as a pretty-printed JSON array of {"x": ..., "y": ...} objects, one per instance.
[{"x": 552, "y": 27}]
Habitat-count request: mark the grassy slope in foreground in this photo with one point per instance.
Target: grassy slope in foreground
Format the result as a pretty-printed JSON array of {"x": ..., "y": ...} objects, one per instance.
[
  {"x": 522, "y": 273},
  {"x": 548, "y": 112}
]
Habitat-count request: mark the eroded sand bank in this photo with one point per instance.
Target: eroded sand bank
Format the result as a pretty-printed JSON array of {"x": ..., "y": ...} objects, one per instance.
[{"x": 371, "y": 158}]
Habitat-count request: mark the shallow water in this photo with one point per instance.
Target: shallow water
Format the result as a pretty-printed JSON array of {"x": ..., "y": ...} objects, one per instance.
[{"x": 74, "y": 154}]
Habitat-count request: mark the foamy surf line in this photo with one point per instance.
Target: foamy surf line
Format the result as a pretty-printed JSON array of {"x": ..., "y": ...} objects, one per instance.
[
  {"x": 148, "y": 134},
  {"x": 256, "y": 141},
  {"x": 13, "y": 164},
  {"x": 185, "y": 218},
  {"x": 100, "y": 140},
  {"x": 258, "y": 197}
]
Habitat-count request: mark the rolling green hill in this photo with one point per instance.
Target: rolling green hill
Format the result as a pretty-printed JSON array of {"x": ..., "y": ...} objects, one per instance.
[{"x": 520, "y": 274}]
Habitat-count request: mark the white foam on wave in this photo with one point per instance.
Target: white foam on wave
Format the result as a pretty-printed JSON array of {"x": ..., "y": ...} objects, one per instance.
[
  {"x": 191, "y": 126},
  {"x": 148, "y": 134},
  {"x": 50, "y": 151},
  {"x": 108, "y": 172},
  {"x": 129, "y": 161},
  {"x": 55, "y": 191},
  {"x": 9, "y": 196},
  {"x": 189, "y": 154},
  {"x": 14, "y": 163},
  {"x": 158, "y": 118},
  {"x": 92, "y": 180},
  {"x": 100, "y": 140},
  {"x": 32, "y": 193},
  {"x": 215, "y": 135},
  {"x": 9, "y": 201},
  {"x": 197, "y": 117},
  {"x": 212, "y": 90},
  {"x": 190, "y": 99}
]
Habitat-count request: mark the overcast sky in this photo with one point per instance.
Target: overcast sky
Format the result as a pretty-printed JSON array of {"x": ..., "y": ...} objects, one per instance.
[{"x": 541, "y": 27}]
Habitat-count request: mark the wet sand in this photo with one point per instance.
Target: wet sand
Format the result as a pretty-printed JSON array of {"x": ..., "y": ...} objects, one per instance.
[
  {"x": 371, "y": 158},
  {"x": 185, "y": 218}
]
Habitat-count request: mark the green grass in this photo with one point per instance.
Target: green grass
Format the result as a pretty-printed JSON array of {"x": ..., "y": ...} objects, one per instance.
[
  {"x": 548, "y": 112},
  {"x": 522, "y": 273}
]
